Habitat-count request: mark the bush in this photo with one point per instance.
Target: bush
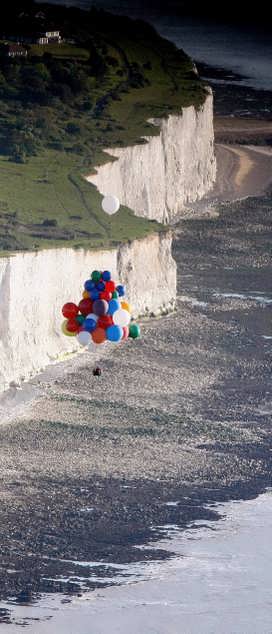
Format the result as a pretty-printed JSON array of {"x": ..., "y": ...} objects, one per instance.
[
  {"x": 77, "y": 148},
  {"x": 112, "y": 61},
  {"x": 56, "y": 145},
  {"x": 50, "y": 222},
  {"x": 63, "y": 91},
  {"x": 18, "y": 155},
  {"x": 97, "y": 64},
  {"x": 87, "y": 105},
  {"x": 115, "y": 96},
  {"x": 72, "y": 128}
]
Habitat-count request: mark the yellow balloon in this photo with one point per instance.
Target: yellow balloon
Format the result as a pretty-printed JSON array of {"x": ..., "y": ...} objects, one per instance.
[
  {"x": 126, "y": 306},
  {"x": 85, "y": 295},
  {"x": 65, "y": 331}
]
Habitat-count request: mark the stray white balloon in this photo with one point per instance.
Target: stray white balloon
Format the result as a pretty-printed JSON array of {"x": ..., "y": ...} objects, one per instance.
[{"x": 110, "y": 204}]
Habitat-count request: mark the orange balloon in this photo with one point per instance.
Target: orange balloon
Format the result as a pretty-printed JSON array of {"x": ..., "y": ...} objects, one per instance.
[
  {"x": 98, "y": 335},
  {"x": 126, "y": 306},
  {"x": 86, "y": 295}
]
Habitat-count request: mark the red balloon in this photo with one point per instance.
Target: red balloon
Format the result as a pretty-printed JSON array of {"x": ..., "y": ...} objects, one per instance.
[
  {"x": 110, "y": 286},
  {"x": 125, "y": 332},
  {"x": 72, "y": 325},
  {"x": 85, "y": 306},
  {"x": 105, "y": 321},
  {"x": 70, "y": 310},
  {"x": 105, "y": 295}
]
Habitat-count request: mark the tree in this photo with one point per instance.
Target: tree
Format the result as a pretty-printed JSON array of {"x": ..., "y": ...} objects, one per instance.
[
  {"x": 18, "y": 155},
  {"x": 42, "y": 72},
  {"x": 97, "y": 63},
  {"x": 72, "y": 128},
  {"x": 112, "y": 61}
]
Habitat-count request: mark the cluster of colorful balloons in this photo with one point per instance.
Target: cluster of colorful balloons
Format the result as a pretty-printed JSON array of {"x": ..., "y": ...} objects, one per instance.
[{"x": 103, "y": 314}]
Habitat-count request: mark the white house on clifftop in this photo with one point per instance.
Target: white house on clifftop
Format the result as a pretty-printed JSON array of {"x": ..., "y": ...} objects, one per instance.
[{"x": 49, "y": 37}]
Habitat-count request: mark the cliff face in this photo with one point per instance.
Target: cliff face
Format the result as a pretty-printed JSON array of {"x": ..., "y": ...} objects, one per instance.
[
  {"x": 158, "y": 178},
  {"x": 34, "y": 287}
]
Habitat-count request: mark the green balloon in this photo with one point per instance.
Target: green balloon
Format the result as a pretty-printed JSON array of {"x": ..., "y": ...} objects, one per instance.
[
  {"x": 115, "y": 295},
  {"x": 134, "y": 331},
  {"x": 80, "y": 319},
  {"x": 96, "y": 275}
]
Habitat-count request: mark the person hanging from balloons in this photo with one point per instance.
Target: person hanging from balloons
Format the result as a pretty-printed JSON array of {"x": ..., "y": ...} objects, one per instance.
[
  {"x": 102, "y": 315},
  {"x": 97, "y": 371}
]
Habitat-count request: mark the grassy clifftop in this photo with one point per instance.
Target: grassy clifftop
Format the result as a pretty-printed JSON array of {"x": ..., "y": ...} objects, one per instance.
[{"x": 61, "y": 104}]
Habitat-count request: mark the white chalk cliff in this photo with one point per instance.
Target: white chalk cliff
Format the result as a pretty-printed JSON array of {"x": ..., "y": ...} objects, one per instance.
[
  {"x": 34, "y": 287},
  {"x": 176, "y": 167}
]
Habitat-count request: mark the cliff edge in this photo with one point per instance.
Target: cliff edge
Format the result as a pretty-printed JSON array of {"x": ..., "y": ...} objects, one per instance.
[{"x": 159, "y": 177}]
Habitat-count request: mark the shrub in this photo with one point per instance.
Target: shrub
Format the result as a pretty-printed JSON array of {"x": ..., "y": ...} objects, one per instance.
[
  {"x": 87, "y": 105},
  {"x": 72, "y": 128},
  {"x": 112, "y": 61},
  {"x": 56, "y": 145},
  {"x": 50, "y": 222},
  {"x": 18, "y": 155},
  {"x": 77, "y": 148}
]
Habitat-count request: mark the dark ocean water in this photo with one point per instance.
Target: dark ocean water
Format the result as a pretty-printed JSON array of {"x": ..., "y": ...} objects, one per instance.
[{"x": 247, "y": 51}]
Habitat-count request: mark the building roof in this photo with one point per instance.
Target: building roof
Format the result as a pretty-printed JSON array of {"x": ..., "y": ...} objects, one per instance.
[{"x": 16, "y": 48}]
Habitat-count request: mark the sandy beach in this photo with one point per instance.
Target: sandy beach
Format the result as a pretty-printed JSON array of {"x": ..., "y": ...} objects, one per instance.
[{"x": 243, "y": 169}]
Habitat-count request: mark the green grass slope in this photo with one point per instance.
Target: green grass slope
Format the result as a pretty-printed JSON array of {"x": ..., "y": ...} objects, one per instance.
[{"x": 62, "y": 104}]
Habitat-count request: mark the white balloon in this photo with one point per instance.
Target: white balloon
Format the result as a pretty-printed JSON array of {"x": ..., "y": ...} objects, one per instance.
[
  {"x": 83, "y": 338},
  {"x": 121, "y": 317},
  {"x": 92, "y": 316},
  {"x": 110, "y": 204}
]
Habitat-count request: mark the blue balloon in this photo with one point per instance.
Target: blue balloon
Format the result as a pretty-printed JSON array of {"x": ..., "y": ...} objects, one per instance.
[
  {"x": 89, "y": 285},
  {"x": 100, "y": 286},
  {"x": 114, "y": 333},
  {"x": 106, "y": 276},
  {"x": 121, "y": 290},
  {"x": 113, "y": 306},
  {"x": 89, "y": 324},
  {"x": 94, "y": 294}
]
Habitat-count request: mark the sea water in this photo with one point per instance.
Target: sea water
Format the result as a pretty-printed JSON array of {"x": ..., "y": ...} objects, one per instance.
[
  {"x": 219, "y": 582},
  {"x": 244, "y": 51}
]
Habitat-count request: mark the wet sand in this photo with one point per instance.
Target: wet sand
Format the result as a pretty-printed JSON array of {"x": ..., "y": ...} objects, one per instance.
[
  {"x": 244, "y": 158},
  {"x": 242, "y": 171}
]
